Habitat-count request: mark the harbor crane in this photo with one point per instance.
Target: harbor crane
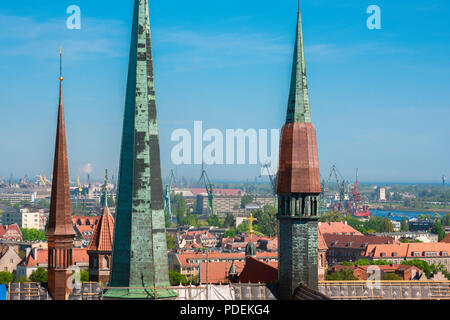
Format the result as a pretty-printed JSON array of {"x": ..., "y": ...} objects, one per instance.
[
  {"x": 167, "y": 192},
  {"x": 342, "y": 185},
  {"x": 209, "y": 190},
  {"x": 272, "y": 177}
]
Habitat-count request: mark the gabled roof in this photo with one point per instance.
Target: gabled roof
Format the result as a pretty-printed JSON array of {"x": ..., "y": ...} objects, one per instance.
[
  {"x": 337, "y": 228},
  {"x": 218, "y": 271},
  {"x": 258, "y": 271},
  {"x": 354, "y": 242},
  {"x": 11, "y": 229},
  {"x": 103, "y": 237},
  {"x": 321, "y": 244},
  {"x": 78, "y": 255},
  {"x": 185, "y": 258},
  {"x": 446, "y": 239},
  {"x": 407, "y": 249}
]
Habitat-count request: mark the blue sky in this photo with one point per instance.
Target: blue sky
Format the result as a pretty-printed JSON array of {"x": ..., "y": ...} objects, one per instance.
[{"x": 380, "y": 99}]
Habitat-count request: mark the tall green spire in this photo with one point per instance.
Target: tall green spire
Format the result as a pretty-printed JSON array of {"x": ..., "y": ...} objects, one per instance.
[
  {"x": 139, "y": 258},
  {"x": 298, "y": 104}
]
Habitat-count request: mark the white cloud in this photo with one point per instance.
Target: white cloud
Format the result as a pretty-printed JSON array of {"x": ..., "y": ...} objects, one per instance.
[{"x": 25, "y": 36}]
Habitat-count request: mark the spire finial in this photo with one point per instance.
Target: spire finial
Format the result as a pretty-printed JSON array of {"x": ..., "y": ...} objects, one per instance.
[
  {"x": 298, "y": 5},
  {"x": 60, "y": 64}
]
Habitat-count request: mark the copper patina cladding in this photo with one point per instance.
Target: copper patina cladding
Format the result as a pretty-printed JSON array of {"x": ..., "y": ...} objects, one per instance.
[{"x": 299, "y": 161}]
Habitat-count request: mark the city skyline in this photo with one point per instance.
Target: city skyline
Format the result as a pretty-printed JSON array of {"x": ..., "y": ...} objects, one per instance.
[{"x": 387, "y": 117}]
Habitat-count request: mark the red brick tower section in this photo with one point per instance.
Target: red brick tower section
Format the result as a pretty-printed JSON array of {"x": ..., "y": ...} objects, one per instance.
[
  {"x": 298, "y": 185},
  {"x": 60, "y": 231},
  {"x": 100, "y": 248}
]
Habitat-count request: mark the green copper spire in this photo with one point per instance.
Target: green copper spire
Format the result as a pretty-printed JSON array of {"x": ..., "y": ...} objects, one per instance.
[
  {"x": 298, "y": 105},
  {"x": 104, "y": 197},
  {"x": 139, "y": 258}
]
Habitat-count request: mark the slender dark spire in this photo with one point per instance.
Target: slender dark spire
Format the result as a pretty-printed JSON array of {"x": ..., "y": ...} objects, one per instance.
[
  {"x": 60, "y": 231},
  {"x": 60, "y": 221},
  {"x": 298, "y": 104}
]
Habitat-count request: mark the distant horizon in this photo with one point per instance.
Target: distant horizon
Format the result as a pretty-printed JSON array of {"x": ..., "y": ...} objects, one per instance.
[{"x": 379, "y": 97}]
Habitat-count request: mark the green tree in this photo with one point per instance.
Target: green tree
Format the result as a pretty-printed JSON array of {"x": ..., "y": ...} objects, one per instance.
[
  {"x": 344, "y": 274},
  {"x": 170, "y": 241},
  {"x": 230, "y": 233},
  {"x": 438, "y": 229},
  {"x": 421, "y": 217},
  {"x": 44, "y": 203},
  {"x": 33, "y": 234},
  {"x": 243, "y": 227},
  {"x": 446, "y": 220},
  {"x": 176, "y": 278},
  {"x": 230, "y": 221},
  {"x": 266, "y": 222},
  {"x": 39, "y": 275},
  {"x": 404, "y": 226},
  {"x": 380, "y": 262},
  {"x": 213, "y": 220},
  {"x": 6, "y": 277},
  {"x": 390, "y": 276},
  {"x": 421, "y": 264},
  {"x": 363, "y": 262},
  {"x": 246, "y": 199},
  {"x": 84, "y": 275},
  {"x": 20, "y": 280}
]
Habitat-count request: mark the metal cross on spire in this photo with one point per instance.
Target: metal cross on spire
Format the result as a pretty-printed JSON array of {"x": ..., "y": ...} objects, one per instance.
[{"x": 250, "y": 220}]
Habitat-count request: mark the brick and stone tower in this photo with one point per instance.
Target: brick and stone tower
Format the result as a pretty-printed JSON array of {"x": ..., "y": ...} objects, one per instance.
[
  {"x": 139, "y": 258},
  {"x": 60, "y": 231},
  {"x": 100, "y": 247},
  {"x": 298, "y": 184}
]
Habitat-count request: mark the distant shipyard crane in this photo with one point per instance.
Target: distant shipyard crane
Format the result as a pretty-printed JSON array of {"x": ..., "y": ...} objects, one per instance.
[
  {"x": 209, "y": 190},
  {"x": 342, "y": 185},
  {"x": 167, "y": 192},
  {"x": 272, "y": 177},
  {"x": 358, "y": 209},
  {"x": 41, "y": 180}
]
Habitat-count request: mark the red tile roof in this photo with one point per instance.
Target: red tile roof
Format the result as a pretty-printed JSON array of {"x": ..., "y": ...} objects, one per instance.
[
  {"x": 354, "y": 242},
  {"x": 337, "y": 228},
  {"x": 446, "y": 239},
  {"x": 103, "y": 237},
  {"x": 407, "y": 249},
  {"x": 78, "y": 255},
  {"x": 85, "y": 231},
  {"x": 258, "y": 271},
  {"x": 321, "y": 244},
  {"x": 218, "y": 271},
  {"x": 10, "y": 232},
  {"x": 186, "y": 257},
  {"x": 362, "y": 272},
  {"x": 84, "y": 220}
]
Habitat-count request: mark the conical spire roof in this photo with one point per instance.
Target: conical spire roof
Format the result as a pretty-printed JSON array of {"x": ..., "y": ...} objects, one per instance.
[
  {"x": 298, "y": 104},
  {"x": 102, "y": 239},
  {"x": 60, "y": 219}
]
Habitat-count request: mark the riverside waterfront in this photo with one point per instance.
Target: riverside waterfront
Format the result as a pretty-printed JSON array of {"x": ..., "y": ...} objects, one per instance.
[{"x": 400, "y": 214}]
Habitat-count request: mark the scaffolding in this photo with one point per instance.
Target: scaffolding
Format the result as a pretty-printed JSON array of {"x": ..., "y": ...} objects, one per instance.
[{"x": 386, "y": 290}]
